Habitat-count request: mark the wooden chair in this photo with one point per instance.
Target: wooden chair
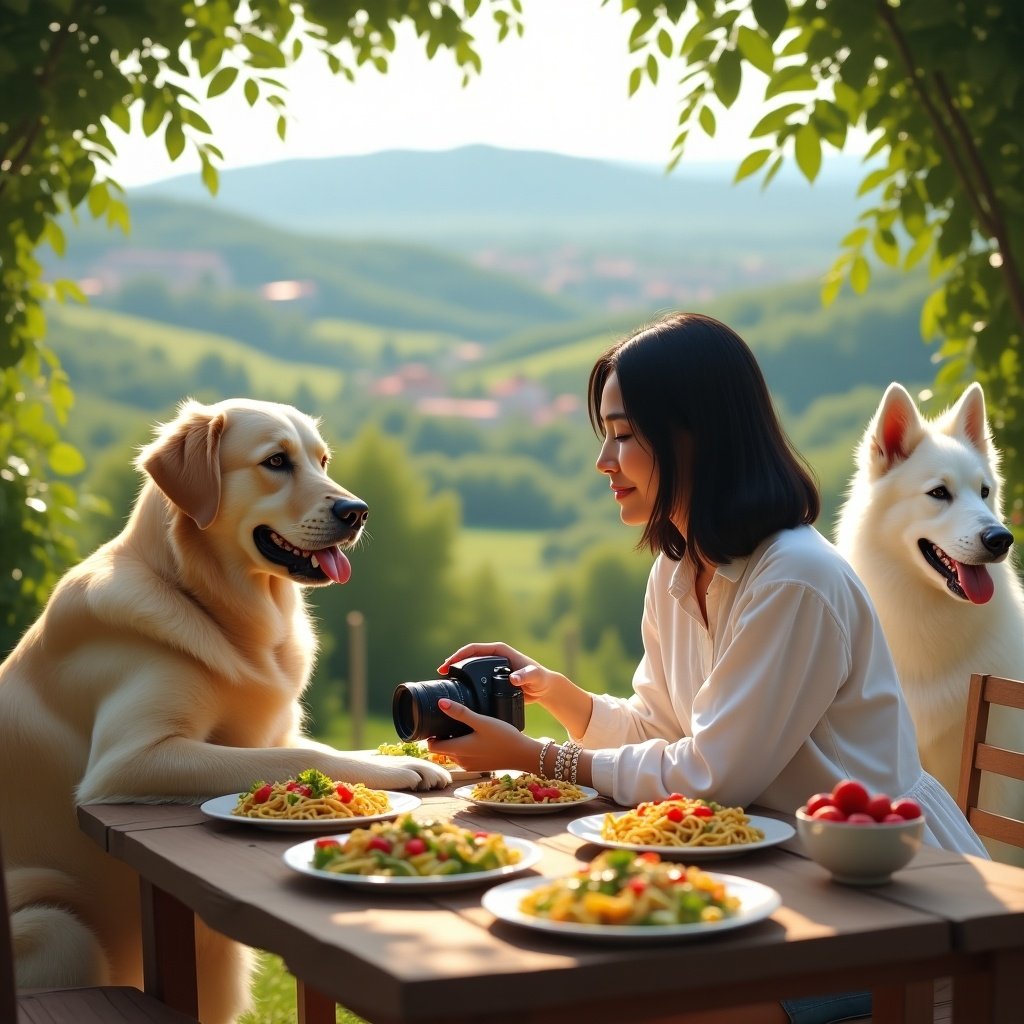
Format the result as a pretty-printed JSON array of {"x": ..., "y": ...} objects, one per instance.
[
  {"x": 100, "y": 1005},
  {"x": 979, "y": 756}
]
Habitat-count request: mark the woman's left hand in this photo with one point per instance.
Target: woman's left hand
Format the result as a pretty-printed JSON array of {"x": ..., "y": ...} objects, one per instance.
[{"x": 493, "y": 743}]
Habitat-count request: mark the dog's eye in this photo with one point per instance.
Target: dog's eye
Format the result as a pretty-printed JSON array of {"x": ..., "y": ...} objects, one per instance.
[
  {"x": 278, "y": 461},
  {"x": 941, "y": 492},
  {"x": 985, "y": 492}
]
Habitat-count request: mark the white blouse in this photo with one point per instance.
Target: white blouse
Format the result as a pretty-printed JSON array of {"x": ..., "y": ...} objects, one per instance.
[{"x": 788, "y": 689}]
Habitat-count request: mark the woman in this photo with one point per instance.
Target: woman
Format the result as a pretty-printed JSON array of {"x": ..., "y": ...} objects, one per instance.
[{"x": 766, "y": 676}]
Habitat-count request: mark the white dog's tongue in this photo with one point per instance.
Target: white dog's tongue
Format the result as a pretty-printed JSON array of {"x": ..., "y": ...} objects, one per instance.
[
  {"x": 975, "y": 580},
  {"x": 335, "y": 564}
]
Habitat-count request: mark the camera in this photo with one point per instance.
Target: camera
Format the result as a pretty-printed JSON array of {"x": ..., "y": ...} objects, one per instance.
[{"x": 481, "y": 684}]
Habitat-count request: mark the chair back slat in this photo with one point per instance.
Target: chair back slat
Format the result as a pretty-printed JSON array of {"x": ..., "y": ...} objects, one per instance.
[
  {"x": 980, "y": 756},
  {"x": 8, "y": 996}
]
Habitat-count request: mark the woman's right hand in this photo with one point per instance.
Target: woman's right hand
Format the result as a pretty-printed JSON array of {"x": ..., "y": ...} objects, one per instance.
[{"x": 536, "y": 681}]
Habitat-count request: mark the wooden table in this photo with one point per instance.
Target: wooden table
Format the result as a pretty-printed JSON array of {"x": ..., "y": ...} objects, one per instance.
[{"x": 443, "y": 959}]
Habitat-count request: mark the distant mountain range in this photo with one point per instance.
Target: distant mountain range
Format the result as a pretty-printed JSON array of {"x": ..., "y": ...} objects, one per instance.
[{"x": 473, "y": 194}]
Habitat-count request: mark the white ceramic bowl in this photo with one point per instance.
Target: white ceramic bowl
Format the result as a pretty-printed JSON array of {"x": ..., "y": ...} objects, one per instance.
[{"x": 860, "y": 854}]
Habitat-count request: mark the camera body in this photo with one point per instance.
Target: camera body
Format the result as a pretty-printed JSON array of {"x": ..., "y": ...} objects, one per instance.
[{"x": 481, "y": 684}]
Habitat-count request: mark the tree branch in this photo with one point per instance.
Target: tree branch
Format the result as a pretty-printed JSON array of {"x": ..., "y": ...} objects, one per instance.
[
  {"x": 987, "y": 213},
  {"x": 1014, "y": 282}
]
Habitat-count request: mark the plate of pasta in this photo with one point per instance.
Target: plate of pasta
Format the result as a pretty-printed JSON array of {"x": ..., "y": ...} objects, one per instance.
[
  {"x": 309, "y": 802},
  {"x": 526, "y": 793},
  {"x": 682, "y": 828},
  {"x": 623, "y": 895},
  {"x": 409, "y": 854}
]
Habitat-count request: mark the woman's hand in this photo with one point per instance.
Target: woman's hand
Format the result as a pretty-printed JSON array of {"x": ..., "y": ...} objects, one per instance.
[
  {"x": 492, "y": 743},
  {"x": 537, "y": 682}
]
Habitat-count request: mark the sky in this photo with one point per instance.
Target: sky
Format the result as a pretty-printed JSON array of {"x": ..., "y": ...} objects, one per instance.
[{"x": 562, "y": 87}]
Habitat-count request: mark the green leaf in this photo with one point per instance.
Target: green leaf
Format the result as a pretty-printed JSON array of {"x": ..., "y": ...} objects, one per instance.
[
  {"x": 727, "y": 76},
  {"x": 707, "y": 121},
  {"x": 771, "y": 15},
  {"x": 222, "y": 81},
  {"x": 66, "y": 459},
  {"x": 665, "y": 43},
  {"x": 652, "y": 68},
  {"x": 174, "y": 138},
  {"x": 118, "y": 113},
  {"x": 775, "y": 119},
  {"x": 252, "y": 91},
  {"x": 756, "y": 48},
  {"x": 795, "y": 78},
  {"x": 751, "y": 163},
  {"x": 635, "y": 78},
  {"x": 98, "y": 199},
  {"x": 807, "y": 149},
  {"x": 860, "y": 275}
]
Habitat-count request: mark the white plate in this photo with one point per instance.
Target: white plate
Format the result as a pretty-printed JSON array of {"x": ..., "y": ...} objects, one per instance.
[
  {"x": 775, "y": 831},
  {"x": 220, "y": 807},
  {"x": 757, "y": 902},
  {"x": 299, "y": 859},
  {"x": 466, "y": 793}
]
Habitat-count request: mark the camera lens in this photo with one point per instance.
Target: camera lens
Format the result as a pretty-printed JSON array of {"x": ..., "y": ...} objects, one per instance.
[{"x": 417, "y": 716}]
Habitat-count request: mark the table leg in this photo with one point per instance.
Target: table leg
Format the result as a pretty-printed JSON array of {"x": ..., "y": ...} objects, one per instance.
[
  {"x": 903, "y": 1004},
  {"x": 312, "y": 1005},
  {"x": 169, "y": 950}
]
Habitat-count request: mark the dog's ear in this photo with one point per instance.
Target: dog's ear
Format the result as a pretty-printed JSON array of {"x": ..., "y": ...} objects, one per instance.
[
  {"x": 895, "y": 431},
  {"x": 184, "y": 461},
  {"x": 967, "y": 418}
]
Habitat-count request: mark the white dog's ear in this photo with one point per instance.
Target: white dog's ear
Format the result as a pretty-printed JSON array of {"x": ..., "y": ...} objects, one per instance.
[
  {"x": 967, "y": 418},
  {"x": 184, "y": 461},
  {"x": 896, "y": 430}
]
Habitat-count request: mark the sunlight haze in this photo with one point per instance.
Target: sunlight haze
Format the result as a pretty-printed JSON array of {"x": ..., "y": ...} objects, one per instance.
[{"x": 562, "y": 87}]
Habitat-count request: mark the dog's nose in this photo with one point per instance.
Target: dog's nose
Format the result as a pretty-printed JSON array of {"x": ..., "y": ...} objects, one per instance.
[
  {"x": 997, "y": 539},
  {"x": 351, "y": 511}
]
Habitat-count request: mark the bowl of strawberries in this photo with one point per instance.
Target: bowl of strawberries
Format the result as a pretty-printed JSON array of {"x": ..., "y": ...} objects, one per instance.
[{"x": 861, "y": 837}]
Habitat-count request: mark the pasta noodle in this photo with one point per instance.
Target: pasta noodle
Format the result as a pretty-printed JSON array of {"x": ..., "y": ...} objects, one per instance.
[
  {"x": 680, "y": 821},
  {"x": 527, "y": 789},
  {"x": 410, "y": 749},
  {"x": 624, "y": 888},
  {"x": 407, "y": 847},
  {"x": 310, "y": 796}
]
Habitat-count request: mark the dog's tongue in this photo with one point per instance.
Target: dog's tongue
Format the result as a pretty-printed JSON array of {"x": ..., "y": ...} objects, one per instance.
[
  {"x": 976, "y": 582},
  {"x": 334, "y": 564}
]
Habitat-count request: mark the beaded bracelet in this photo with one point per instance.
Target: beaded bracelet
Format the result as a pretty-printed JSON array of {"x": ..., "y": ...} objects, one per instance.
[
  {"x": 543, "y": 754},
  {"x": 577, "y": 750},
  {"x": 559, "y": 762},
  {"x": 570, "y": 750}
]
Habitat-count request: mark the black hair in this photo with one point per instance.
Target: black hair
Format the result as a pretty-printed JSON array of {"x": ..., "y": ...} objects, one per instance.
[{"x": 691, "y": 375}]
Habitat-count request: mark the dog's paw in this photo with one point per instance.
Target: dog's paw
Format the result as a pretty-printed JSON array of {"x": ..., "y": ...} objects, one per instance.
[{"x": 416, "y": 772}]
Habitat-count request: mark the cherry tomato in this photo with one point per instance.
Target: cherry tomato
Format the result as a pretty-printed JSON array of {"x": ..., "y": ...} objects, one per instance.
[
  {"x": 819, "y": 800},
  {"x": 879, "y": 806},
  {"x": 262, "y": 795},
  {"x": 414, "y": 846},
  {"x": 700, "y": 811},
  {"x": 327, "y": 844},
  {"x": 829, "y": 813},
  {"x": 893, "y": 819},
  {"x": 850, "y": 796},
  {"x": 344, "y": 794},
  {"x": 861, "y": 818},
  {"x": 379, "y": 843},
  {"x": 674, "y": 796},
  {"x": 906, "y": 808},
  {"x": 674, "y": 814}
]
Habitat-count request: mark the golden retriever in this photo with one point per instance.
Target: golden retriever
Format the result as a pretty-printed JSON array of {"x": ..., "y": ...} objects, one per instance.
[{"x": 168, "y": 667}]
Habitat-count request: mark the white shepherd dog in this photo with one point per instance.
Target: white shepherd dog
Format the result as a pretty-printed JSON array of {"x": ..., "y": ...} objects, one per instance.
[{"x": 922, "y": 526}]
